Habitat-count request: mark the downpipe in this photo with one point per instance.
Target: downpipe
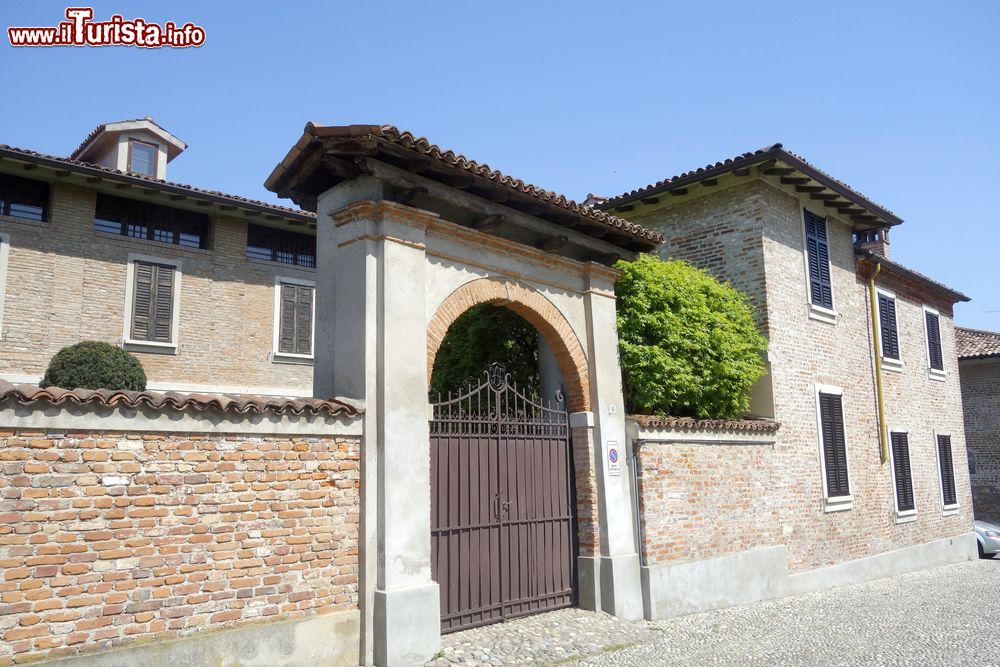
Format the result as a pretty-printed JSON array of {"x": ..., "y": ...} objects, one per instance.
[{"x": 873, "y": 301}]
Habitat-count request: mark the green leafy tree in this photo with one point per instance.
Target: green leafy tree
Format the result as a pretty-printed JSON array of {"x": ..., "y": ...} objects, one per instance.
[
  {"x": 94, "y": 365},
  {"x": 481, "y": 335},
  {"x": 689, "y": 345}
]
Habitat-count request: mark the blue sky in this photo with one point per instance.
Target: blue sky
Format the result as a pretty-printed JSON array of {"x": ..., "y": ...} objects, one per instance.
[{"x": 899, "y": 99}]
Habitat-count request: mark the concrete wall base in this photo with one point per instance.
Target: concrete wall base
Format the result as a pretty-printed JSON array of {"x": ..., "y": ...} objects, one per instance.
[
  {"x": 762, "y": 574},
  {"x": 621, "y": 586},
  {"x": 407, "y": 625},
  {"x": 588, "y": 577},
  {"x": 330, "y": 639}
]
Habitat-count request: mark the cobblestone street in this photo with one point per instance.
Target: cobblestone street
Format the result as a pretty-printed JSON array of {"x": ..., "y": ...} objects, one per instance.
[{"x": 946, "y": 616}]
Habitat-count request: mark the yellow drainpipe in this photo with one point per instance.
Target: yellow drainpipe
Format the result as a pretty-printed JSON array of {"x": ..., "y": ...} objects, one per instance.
[{"x": 873, "y": 299}]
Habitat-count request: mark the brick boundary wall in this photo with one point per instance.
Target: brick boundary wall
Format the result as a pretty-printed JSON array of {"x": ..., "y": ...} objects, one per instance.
[
  {"x": 980, "y": 380},
  {"x": 116, "y": 538}
]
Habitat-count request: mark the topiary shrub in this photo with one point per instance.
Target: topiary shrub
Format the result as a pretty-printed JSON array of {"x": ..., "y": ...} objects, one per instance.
[
  {"x": 689, "y": 345},
  {"x": 94, "y": 365}
]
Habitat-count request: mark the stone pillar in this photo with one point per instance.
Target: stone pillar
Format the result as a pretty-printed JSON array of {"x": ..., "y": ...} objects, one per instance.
[
  {"x": 620, "y": 584},
  {"x": 373, "y": 263}
]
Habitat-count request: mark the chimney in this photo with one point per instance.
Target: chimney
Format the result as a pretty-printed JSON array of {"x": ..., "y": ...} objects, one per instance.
[{"x": 875, "y": 240}]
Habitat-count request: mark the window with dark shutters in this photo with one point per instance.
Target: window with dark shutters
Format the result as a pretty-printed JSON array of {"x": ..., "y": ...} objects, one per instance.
[
  {"x": 24, "y": 198},
  {"x": 887, "y": 326},
  {"x": 934, "y": 340},
  {"x": 143, "y": 220},
  {"x": 947, "y": 464},
  {"x": 901, "y": 471},
  {"x": 831, "y": 414},
  {"x": 818, "y": 251},
  {"x": 153, "y": 302},
  {"x": 295, "y": 319}
]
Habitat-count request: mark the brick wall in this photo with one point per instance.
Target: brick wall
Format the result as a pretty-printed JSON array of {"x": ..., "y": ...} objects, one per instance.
[
  {"x": 981, "y": 398},
  {"x": 66, "y": 283},
  {"x": 206, "y": 532}
]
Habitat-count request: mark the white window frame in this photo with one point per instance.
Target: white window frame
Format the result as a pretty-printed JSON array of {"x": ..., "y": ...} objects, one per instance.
[
  {"x": 149, "y": 345},
  {"x": 837, "y": 503},
  {"x": 908, "y": 516},
  {"x": 818, "y": 313},
  {"x": 933, "y": 373},
  {"x": 4, "y": 262},
  {"x": 285, "y": 357},
  {"x": 889, "y": 363},
  {"x": 946, "y": 510}
]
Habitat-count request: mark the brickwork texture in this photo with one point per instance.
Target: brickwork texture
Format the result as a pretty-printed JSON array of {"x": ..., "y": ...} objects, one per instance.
[{"x": 981, "y": 399}]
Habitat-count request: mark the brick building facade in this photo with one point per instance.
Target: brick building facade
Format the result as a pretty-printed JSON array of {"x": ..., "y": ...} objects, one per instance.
[{"x": 979, "y": 367}]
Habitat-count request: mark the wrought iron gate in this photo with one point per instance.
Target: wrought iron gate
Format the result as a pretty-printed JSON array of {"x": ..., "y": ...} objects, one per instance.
[{"x": 503, "y": 529}]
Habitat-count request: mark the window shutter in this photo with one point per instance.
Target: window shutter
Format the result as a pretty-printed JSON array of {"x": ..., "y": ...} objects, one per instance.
[
  {"x": 934, "y": 341},
  {"x": 163, "y": 310},
  {"x": 887, "y": 321},
  {"x": 286, "y": 333},
  {"x": 303, "y": 320},
  {"x": 834, "y": 445},
  {"x": 141, "y": 300},
  {"x": 901, "y": 471},
  {"x": 818, "y": 252},
  {"x": 948, "y": 491}
]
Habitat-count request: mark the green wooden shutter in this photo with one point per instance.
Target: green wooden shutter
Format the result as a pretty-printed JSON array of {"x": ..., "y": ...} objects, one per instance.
[
  {"x": 153, "y": 302},
  {"x": 948, "y": 491},
  {"x": 142, "y": 299},
  {"x": 887, "y": 326},
  {"x": 286, "y": 322},
  {"x": 901, "y": 471},
  {"x": 834, "y": 445},
  {"x": 303, "y": 319},
  {"x": 163, "y": 304},
  {"x": 818, "y": 255},
  {"x": 934, "y": 341}
]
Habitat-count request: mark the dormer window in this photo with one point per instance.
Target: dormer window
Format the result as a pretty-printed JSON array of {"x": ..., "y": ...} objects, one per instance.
[{"x": 141, "y": 158}]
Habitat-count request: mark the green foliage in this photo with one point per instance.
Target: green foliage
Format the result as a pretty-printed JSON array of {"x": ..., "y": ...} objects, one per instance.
[
  {"x": 689, "y": 344},
  {"x": 94, "y": 365},
  {"x": 481, "y": 335}
]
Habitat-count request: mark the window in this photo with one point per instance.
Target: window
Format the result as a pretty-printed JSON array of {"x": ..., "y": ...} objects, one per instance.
[
  {"x": 142, "y": 158},
  {"x": 902, "y": 477},
  {"x": 24, "y": 198},
  {"x": 932, "y": 327},
  {"x": 281, "y": 245},
  {"x": 889, "y": 336},
  {"x": 833, "y": 445},
  {"x": 152, "y": 304},
  {"x": 946, "y": 467},
  {"x": 818, "y": 259},
  {"x": 294, "y": 310},
  {"x": 142, "y": 220}
]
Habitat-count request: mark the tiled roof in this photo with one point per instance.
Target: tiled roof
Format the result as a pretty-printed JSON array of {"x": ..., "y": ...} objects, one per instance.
[
  {"x": 147, "y": 182},
  {"x": 755, "y": 424},
  {"x": 100, "y": 128},
  {"x": 243, "y": 404},
  {"x": 891, "y": 267},
  {"x": 773, "y": 152},
  {"x": 390, "y": 135},
  {"x": 977, "y": 344}
]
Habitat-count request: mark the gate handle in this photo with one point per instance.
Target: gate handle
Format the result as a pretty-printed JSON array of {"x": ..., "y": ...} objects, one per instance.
[
  {"x": 506, "y": 507},
  {"x": 496, "y": 507}
]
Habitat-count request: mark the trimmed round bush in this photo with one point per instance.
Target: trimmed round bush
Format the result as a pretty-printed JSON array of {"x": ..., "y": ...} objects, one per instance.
[
  {"x": 689, "y": 344},
  {"x": 95, "y": 365}
]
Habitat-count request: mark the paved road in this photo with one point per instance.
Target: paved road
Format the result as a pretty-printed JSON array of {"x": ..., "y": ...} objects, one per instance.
[{"x": 945, "y": 616}]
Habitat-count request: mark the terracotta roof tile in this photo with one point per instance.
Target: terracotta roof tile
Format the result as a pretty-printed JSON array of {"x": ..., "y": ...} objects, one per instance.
[
  {"x": 977, "y": 344},
  {"x": 100, "y": 128},
  {"x": 890, "y": 267},
  {"x": 244, "y": 404},
  {"x": 754, "y": 424},
  {"x": 146, "y": 181}
]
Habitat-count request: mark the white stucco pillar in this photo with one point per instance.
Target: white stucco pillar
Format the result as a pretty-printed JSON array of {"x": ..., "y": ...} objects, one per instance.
[
  {"x": 550, "y": 379},
  {"x": 374, "y": 266},
  {"x": 620, "y": 584}
]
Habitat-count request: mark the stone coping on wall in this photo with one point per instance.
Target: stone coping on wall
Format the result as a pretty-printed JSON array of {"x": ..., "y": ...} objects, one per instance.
[
  {"x": 31, "y": 406},
  {"x": 655, "y": 428}
]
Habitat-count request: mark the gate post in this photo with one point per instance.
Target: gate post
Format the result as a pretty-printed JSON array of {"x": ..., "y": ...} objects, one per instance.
[
  {"x": 620, "y": 583},
  {"x": 371, "y": 335}
]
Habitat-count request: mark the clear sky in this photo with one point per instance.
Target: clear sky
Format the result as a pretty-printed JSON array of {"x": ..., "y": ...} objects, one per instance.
[{"x": 901, "y": 100}]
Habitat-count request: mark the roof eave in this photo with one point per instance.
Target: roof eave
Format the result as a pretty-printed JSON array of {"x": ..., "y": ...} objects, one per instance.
[{"x": 889, "y": 267}]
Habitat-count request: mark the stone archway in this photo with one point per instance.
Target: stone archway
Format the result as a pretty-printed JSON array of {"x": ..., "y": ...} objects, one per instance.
[{"x": 533, "y": 307}]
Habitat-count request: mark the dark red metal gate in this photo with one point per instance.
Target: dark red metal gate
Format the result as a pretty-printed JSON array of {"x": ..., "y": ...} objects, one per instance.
[{"x": 503, "y": 529}]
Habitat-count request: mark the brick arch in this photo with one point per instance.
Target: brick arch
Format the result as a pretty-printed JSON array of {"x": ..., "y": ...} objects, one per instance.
[{"x": 533, "y": 307}]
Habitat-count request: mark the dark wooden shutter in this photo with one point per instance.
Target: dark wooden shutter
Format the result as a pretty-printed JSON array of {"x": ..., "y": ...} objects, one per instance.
[
  {"x": 834, "y": 445},
  {"x": 948, "y": 491},
  {"x": 818, "y": 252},
  {"x": 295, "y": 319},
  {"x": 153, "y": 302},
  {"x": 901, "y": 471},
  {"x": 887, "y": 322},
  {"x": 934, "y": 341}
]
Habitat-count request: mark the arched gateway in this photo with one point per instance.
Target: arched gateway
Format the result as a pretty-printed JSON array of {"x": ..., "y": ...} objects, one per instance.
[{"x": 409, "y": 237}]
